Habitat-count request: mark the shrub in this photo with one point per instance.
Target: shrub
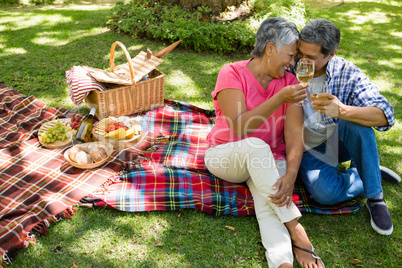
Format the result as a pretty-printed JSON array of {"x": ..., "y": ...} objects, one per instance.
[
  {"x": 42, "y": 2},
  {"x": 199, "y": 29},
  {"x": 10, "y": 2},
  {"x": 27, "y": 2}
]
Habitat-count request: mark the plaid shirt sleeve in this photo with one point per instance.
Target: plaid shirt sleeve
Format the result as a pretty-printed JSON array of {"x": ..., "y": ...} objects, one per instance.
[{"x": 352, "y": 87}]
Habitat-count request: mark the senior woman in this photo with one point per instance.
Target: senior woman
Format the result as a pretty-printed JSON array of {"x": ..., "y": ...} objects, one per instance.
[{"x": 258, "y": 139}]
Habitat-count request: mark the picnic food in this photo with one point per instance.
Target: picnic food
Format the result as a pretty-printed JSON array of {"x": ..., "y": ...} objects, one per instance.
[
  {"x": 57, "y": 132},
  {"x": 115, "y": 125},
  {"x": 121, "y": 132},
  {"x": 75, "y": 121},
  {"x": 117, "y": 134},
  {"x": 85, "y": 130},
  {"x": 122, "y": 129},
  {"x": 89, "y": 155},
  {"x": 49, "y": 132},
  {"x": 83, "y": 158},
  {"x": 73, "y": 153},
  {"x": 97, "y": 152},
  {"x": 131, "y": 132}
]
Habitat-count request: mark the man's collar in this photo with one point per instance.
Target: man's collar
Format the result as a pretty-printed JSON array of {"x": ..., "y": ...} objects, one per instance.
[{"x": 331, "y": 66}]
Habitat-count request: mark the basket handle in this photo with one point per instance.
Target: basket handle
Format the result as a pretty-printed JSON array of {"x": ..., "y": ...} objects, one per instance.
[{"x": 130, "y": 64}]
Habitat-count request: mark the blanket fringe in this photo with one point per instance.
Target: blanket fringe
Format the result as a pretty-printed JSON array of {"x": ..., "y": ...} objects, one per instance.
[
  {"x": 38, "y": 230},
  {"x": 104, "y": 187},
  {"x": 10, "y": 254},
  {"x": 86, "y": 201}
]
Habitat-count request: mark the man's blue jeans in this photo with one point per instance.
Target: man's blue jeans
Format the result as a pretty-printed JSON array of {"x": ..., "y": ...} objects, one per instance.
[{"x": 319, "y": 166}]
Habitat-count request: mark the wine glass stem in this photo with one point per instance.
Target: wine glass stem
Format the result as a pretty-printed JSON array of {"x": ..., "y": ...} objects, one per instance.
[{"x": 319, "y": 119}]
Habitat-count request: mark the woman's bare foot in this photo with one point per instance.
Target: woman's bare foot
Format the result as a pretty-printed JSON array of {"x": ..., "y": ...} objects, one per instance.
[{"x": 300, "y": 239}]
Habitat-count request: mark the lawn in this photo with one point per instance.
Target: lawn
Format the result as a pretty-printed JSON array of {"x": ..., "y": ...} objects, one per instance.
[{"x": 37, "y": 47}]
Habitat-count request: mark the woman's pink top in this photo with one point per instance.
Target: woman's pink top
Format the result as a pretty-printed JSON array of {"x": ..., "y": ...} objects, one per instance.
[{"x": 238, "y": 76}]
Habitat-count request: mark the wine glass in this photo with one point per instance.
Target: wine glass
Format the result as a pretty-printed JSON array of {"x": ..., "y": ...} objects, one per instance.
[
  {"x": 314, "y": 90},
  {"x": 304, "y": 73}
]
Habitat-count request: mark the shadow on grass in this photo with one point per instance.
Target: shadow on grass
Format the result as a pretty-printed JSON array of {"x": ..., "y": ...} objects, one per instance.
[
  {"x": 45, "y": 56},
  {"x": 370, "y": 37},
  {"x": 32, "y": 66},
  {"x": 34, "y": 58},
  {"x": 184, "y": 238},
  {"x": 390, "y": 142}
]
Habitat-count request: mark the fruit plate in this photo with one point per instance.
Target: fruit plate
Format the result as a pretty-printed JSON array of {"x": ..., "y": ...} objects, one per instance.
[
  {"x": 84, "y": 146},
  {"x": 57, "y": 143},
  {"x": 99, "y": 132}
]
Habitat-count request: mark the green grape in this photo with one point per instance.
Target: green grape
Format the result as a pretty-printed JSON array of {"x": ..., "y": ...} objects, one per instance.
[{"x": 58, "y": 132}]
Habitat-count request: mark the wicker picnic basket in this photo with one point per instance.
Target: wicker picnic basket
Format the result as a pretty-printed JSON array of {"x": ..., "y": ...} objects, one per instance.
[
  {"x": 126, "y": 94},
  {"x": 126, "y": 100}
]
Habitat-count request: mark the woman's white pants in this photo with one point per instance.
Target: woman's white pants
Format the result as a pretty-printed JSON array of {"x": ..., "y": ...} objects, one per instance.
[{"x": 251, "y": 160}]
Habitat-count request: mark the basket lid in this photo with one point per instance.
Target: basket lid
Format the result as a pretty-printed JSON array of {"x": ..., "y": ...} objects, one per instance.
[{"x": 121, "y": 74}]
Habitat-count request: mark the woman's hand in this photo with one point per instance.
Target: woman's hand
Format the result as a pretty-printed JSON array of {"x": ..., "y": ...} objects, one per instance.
[
  {"x": 294, "y": 93},
  {"x": 283, "y": 197}
]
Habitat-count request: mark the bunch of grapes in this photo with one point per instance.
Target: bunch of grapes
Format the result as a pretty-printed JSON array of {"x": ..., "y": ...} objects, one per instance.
[{"x": 58, "y": 132}]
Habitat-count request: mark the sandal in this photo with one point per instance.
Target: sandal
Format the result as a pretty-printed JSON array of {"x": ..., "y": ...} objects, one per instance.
[{"x": 312, "y": 254}]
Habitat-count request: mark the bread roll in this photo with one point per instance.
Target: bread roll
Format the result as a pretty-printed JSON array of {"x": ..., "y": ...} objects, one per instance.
[
  {"x": 98, "y": 153},
  {"x": 83, "y": 158},
  {"x": 72, "y": 154}
]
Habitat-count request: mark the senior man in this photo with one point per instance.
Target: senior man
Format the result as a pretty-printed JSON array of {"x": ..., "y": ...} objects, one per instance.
[{"x": 351, "y": 108}]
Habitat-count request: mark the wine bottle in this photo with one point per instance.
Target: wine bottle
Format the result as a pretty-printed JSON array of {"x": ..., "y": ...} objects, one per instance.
[{"x": 85, "y": 129}]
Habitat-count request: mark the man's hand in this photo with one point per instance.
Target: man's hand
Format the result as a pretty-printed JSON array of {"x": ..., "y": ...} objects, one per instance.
[
  {"x": 284, "y": 195},
  {"x": 368, "y": 116},
  {"x": 327, "y": 104}
]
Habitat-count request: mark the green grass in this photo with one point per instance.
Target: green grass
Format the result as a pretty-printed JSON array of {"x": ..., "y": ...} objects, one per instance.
[{"x": 37, "y": 47}]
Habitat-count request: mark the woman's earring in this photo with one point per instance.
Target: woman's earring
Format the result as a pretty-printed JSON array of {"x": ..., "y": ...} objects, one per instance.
[{"x": 268, "y": 61}]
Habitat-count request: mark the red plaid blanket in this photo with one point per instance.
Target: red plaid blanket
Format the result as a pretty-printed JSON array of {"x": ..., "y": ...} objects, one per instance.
[
  {"x": 37, "y": 186},
  {"x": 172, "y": 175},
  {"x": 165, "y": 171}
]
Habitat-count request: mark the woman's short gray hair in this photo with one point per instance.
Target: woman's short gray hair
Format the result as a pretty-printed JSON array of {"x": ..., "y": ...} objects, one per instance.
[
  {"x": 276, "y": 30},
  {"x": 323, "y": 33}
]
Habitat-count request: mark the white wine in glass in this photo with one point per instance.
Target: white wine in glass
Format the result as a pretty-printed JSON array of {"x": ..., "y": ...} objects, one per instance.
[
  {"x": 304, "y": 73},
  {"x": 315, "y": 89},
  {"x": 304, "y": 77}
]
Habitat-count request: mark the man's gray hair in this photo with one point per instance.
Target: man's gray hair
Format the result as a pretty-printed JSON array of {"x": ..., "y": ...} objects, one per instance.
[
  {"x": 276, "y": 30},
  {"x": 323, "y": 33}
]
